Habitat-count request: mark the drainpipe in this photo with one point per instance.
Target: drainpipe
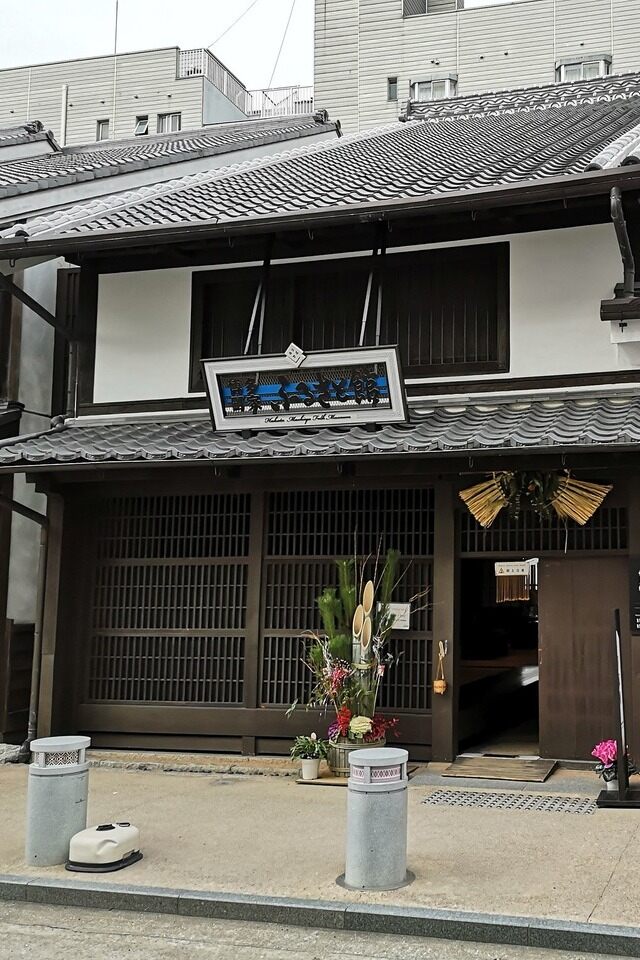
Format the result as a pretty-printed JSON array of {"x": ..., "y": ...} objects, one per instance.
[
  {"x": 63, "y": 114},
  {"x": 39, "y": 518},
  {"x": 628, "y": 261}
]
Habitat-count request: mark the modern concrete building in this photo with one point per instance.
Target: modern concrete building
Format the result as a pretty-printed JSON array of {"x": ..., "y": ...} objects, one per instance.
[
  {"x": 371, "y": 56},
  {"x": 130, "y": 94}
]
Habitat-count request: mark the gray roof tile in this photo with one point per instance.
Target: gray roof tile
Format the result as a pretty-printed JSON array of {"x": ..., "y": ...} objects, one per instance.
[
  {"x": 75, "y": 164},
  {"x": 459, "y": 427},
  {"x": 455, "y": 145}
]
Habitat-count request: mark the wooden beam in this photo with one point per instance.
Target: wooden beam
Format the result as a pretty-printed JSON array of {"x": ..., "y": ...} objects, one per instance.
[
  {"x": 33, "y": 305},
  {"x": 55, "y": 513},
  {"x": 444, "y": 707}
]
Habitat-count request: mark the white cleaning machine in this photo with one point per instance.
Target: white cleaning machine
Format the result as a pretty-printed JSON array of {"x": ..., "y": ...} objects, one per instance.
[{"x": 103, "y": 849}]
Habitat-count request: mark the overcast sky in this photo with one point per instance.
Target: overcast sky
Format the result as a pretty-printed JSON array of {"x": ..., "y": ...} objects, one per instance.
[{"x": 37, "y": 31}]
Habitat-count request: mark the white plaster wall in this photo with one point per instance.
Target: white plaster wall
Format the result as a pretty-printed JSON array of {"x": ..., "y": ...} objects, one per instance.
[
  {"x": 558, "y": 279},
  {"x": 142, "y": 336}
]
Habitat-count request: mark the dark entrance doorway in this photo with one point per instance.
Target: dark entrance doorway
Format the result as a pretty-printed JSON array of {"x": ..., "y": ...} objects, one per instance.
[{"x": 499, "y": 690}]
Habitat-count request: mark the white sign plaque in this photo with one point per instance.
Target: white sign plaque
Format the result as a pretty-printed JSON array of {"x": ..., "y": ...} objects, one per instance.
[{"x": 402, "y": 615}]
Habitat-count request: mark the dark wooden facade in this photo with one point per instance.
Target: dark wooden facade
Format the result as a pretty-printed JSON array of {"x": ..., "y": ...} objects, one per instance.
[{"x": 176, "y": 601}]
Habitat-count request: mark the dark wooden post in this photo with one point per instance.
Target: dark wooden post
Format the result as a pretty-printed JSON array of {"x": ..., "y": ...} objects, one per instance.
[
  {"x": 444, "y": 707},
  {"x": 633, "y": 659},
  {"x": 254, "y": 593},
  {"x": 55, "y": 514}
]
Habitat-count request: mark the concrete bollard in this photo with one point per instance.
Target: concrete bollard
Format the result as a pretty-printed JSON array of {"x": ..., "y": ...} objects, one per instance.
[
  {"x": 376, "y": 856},
  {"x": 56, "y": 798}
]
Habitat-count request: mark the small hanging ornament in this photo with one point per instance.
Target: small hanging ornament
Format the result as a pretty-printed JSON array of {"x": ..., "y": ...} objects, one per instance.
[{"x": 439, "y": 683}]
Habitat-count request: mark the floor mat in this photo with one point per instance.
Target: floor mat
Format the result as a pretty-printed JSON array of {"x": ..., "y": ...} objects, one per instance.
[{"x": 501, "y": 768}]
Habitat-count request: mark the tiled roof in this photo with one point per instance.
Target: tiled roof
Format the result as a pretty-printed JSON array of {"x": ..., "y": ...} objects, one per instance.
[
  {"x": 603, "y": 90},
  {"x": 451, "y": 149},
  {"x": 25, "y": 133},
  {"x": 73, "y": 164},
  {"x": 458, "y": 428}
]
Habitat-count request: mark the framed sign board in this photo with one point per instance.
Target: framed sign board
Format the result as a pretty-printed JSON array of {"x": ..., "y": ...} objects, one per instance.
[{"x": 297, "y": 390}]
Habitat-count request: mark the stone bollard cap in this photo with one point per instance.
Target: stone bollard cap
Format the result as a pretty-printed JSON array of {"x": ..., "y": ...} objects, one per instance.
[
  {"x": 378, "y": 757},
  {"x": 59, "y": 744}
]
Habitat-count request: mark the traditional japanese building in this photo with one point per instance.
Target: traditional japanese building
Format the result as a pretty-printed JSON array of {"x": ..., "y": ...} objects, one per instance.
[{"x": 466, "y": 266}]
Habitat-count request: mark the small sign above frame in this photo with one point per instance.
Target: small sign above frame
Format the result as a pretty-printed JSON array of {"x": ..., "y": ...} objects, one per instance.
[{"x": 334, "y": 388}]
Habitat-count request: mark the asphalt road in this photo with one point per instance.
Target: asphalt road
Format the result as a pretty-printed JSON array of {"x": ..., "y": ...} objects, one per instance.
[{"x": 33, "y": 932}]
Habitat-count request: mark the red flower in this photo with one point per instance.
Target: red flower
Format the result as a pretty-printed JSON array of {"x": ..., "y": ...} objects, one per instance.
[{"x": 343, "y": 718}]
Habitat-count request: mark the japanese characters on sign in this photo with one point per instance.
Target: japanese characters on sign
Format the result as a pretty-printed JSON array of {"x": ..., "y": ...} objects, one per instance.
[{"x": 332, "y": 388}]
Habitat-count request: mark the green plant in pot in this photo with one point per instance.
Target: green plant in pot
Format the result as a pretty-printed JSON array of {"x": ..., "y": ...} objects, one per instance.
[{"x": 309, "y": 751}]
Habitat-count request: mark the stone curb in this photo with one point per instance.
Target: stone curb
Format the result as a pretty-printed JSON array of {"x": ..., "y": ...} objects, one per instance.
[{"x": 618, "y": 941}]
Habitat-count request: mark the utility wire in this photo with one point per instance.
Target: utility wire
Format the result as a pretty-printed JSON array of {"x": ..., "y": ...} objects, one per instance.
[
  {"x": 284, "y": 37},
  {"x": 232, "y": 25}
]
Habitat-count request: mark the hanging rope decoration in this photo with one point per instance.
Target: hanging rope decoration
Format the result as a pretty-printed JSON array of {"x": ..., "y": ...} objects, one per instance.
[{"x": 546, "y": 493}]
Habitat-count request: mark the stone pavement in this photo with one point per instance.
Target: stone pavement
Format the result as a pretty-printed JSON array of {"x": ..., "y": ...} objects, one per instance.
[
  {"x": 270, "y": 836},
  {"x": 43, "y": 932}
]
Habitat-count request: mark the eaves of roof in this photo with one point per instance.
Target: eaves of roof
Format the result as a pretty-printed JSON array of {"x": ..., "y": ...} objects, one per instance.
[
  {"x": 566, "y": 187},
  {"x": 458, "y": 429}
]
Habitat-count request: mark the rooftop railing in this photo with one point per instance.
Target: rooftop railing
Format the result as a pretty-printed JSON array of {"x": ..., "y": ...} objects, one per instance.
[
  {"x": 202, "y": 63},
  {"x": 280, "y": 101}
]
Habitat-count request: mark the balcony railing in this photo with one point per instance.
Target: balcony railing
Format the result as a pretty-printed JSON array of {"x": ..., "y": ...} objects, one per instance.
[
  {"x": 202, "y": 63},
  {"x": 280, "y": 102}
]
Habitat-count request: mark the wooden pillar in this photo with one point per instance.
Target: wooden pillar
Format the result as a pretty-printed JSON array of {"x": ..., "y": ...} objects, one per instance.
[
  {"x": 445, "y": 707},
  {"x": 48, "y": 692},
  {"x": 632, "y": 661},
  {"x": 254, "y": 595}
]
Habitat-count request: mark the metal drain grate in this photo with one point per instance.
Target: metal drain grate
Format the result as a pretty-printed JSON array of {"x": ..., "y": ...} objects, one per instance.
[{"x": 544, "y": 803}]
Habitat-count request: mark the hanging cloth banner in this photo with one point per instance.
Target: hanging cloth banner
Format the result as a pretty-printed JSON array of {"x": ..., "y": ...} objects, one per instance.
[{"x": 515, "y": 580}]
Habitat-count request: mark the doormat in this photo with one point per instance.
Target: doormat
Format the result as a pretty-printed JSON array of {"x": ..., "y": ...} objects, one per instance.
[
  {"x": 501, "y": 768},
  {"x": 539, "y": 802},
  {"x": 327, "y": 780}
]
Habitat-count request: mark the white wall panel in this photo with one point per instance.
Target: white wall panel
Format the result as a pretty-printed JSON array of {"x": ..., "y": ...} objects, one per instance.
[
  {"x": 558, "y": 279},
  {"x": 143, "y": 335}
]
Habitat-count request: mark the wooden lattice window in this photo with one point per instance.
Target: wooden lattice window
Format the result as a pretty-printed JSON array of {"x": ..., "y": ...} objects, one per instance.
[
  {"x": 305, "y": 531},
  {"x": 607, "y": 530},
  {"x": 170, "y": 600},
  {"x": 447, "y": 310}
]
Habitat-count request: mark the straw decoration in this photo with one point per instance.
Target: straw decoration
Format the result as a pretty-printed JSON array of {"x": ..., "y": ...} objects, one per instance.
[
  {"x": 485, "y": 500},
  {"x": 579, "y": 499}
]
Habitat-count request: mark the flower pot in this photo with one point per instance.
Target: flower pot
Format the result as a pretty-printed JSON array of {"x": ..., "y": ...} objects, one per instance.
[
  {"x": 611, "y": 784},
  {"x": 339, "y": 750},
  {"x": 310, "y": 769}
]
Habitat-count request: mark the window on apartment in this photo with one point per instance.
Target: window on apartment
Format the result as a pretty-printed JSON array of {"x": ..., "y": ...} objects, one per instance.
[
  {"x": 392, "y": 88},
  {"x": 102, "y": 130},
  {"x": 169, "y": 122},
  {"x": 414, "y": 8},
  {"x": 142, "y": 126},
  {"x": 422, "y": 90},
  {"x": 447, "y": 310},
  {"x": 583, "y": 70}
]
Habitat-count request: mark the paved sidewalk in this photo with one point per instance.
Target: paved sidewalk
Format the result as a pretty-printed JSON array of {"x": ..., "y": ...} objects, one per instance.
[
  {"x": 43, "y": 932},
  {"x": 271, "y": 836}
]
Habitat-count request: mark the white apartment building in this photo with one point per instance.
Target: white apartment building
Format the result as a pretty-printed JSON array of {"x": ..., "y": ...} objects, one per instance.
[
  {"x": 130, "y": 94},
  {"x": 371, "y": 56}
]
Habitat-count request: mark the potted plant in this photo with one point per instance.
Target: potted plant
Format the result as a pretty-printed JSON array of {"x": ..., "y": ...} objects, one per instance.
[
  {"x": 606, "y": 752},
  {"x": 349, "y": 658},
  {"x": 310, "y": 751}
]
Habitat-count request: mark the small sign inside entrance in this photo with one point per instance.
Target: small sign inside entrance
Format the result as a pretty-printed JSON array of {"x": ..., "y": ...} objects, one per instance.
[
  {"x": 296, "y": 390},
  {"x": 634, "y": 594},
  {"x": 401, "y": 614}
]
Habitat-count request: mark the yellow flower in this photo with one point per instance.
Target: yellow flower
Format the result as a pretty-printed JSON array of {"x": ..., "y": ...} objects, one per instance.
[{"x": 359, "y": 726}]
